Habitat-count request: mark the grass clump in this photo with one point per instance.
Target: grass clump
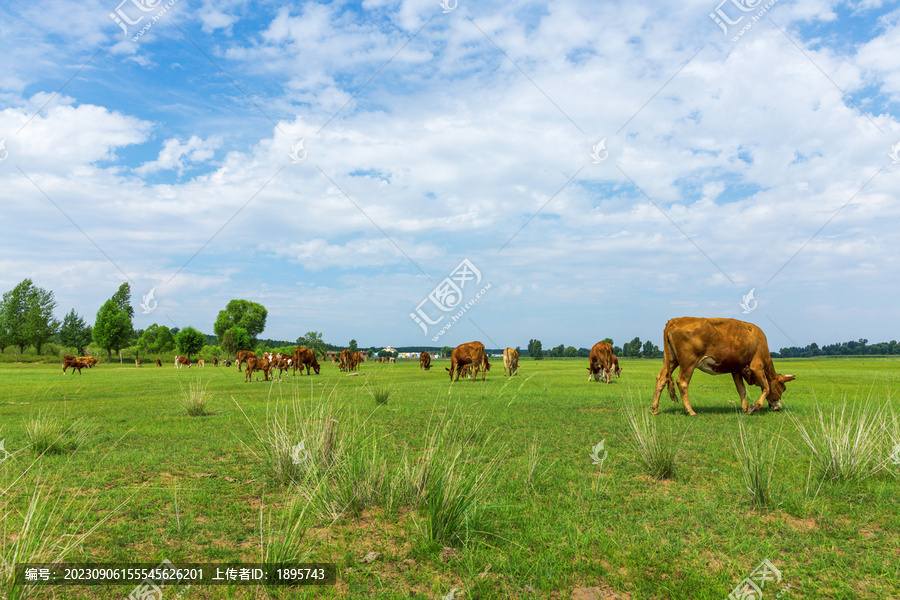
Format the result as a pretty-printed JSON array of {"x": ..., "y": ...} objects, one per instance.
[
  {"x": 49, "y": 435},
  {"x": 196, "y": 399},
  {"x": 756, "y": 453},
  {"x": 846, "y": 443},
  {"x": 381, "y": 393},
  {"x": 656, "y": 448},
  {"x": 453, "y": 479}
]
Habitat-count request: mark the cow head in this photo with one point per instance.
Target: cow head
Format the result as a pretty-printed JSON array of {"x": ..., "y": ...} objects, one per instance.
[
  {"x": 776, "y": 389},
  {"x": 596, "y": 373},
  {"x": 316, "y": 368}
]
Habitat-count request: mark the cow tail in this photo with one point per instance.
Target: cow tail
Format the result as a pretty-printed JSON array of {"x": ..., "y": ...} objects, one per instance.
[{"x": 669, "y": 359}]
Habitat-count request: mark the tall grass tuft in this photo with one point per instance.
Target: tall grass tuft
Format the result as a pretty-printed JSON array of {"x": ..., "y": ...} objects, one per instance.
[
  {"x": 892, "y": 439},
  {"x": 296, "y": 443},
  {"x": 39, "y": 524},
  {"x": 381, "y": 393},
  {"x": 845, "y": 444},
  {"x": 49, "y": 435},
  {"x": 281, "y": 538},
  {"x": 196, "y": 399},
  {"x": 657, "y": 448},
  {"x": 756, "y": 453},
  {"x": 453, "y": 478}
]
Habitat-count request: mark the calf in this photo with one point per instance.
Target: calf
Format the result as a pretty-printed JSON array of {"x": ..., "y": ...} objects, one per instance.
[
  {"x": 257, "y": 364},
  {"x": 138, "y": 362},
  {"x": 201, "y": 363},
  {"x": 71, "y": 362},
  {"x": 180, "y": 361}
]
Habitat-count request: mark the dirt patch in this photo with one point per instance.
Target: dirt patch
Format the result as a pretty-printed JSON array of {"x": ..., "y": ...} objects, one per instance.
[{"x": 603, "y": 592}]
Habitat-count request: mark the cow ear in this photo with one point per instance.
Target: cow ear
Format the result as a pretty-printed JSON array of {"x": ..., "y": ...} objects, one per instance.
[{"x": 786, "y": 378}]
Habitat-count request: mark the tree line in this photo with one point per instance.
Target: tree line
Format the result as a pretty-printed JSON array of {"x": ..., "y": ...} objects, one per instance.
[{"x": 27, "y": 320}]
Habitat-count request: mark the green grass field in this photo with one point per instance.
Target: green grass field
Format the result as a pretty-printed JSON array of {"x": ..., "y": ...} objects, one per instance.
[{"x": 541, "y": 521}]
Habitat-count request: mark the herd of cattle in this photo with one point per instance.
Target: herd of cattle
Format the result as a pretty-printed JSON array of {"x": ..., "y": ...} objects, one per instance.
[{"x": 715, "y": 346}]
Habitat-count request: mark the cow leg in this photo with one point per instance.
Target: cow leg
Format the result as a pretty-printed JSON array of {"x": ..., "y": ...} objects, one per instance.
[
  {"x": 684, "y": 380},
  {"x": 759, "y": 374},
  {"x": 662, "y": 380},
  {"x": 741, "y": 390}
]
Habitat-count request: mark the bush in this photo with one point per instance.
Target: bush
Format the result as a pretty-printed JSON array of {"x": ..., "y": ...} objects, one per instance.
[{"x": 197, "y": 399}]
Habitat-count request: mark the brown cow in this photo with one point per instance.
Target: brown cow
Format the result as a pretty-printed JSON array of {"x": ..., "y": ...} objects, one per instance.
[
  {"x": 616, "y": 369},
  {"x": 466, "y": 354},
  {"x": 335, "y": 360},
  {"x": 424, "y": 361},
  {"x": 71, "y": 362},
  {"x": 138, "y": 362},
  {"x": 242, "y": 356},
  {"x": 304, "y": 357},
  {"x": 215, "y": 361},
  {"x": 158, "y": 363},
  {"x": 600, "y": 362},
  {"x": 181, "y": 361},
  {"x": 201, "y": 363},
  {"x": 510, "y": 361},
  {"x": 718, "y": 346},
  {"x": 87, "y": 361},
  {"x": 257, "y": 364},
  {"x": 345, "y": 359},
  {"x": 355, "y": 359}
]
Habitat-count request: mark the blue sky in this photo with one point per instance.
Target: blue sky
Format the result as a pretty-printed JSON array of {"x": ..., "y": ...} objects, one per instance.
[{"x": 430, "y": 137}]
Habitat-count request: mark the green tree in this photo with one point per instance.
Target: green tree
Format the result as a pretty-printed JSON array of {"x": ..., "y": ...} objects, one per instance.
[
  {"x": 632, "y": 348},
  {"x": 157, "y": 339},
  {"x": 570, "y": 351},
  {"x": 28, "y": 316},
  {"x": 236, "y": 339},
  {"x": 39, "y": 323},
  {"x": 536, "y": 350},
  {"x": 446, "y": 351},
  {"x": 608, "y": 341},
  {"x": 75, "y": 332},
  {"x": 227, "y": 343},
  {"x": 557, "y": 351},
  {"x": 112, "y": 329},
  {"x": 122, "y": 298},
  {"x": 353, "y": 347},
  {"x": 189, "y": 341},
  {"x": 650, "y": 350},
  {"x": 250, "y": 316},
  {"x": 313, "y": 340},
  {"x": 5, "y": 334}
]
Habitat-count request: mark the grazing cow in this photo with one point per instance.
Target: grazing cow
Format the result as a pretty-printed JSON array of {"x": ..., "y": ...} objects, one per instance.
[
  {"x": 180, "y": 361},
  {"x": 424, "y": 361},
  {"x": 257, "y": 364},
  {"x": 282, "y": 364},
  {"x": 158, "y": 363},
  {"x": 467, "y": 354},
  {"x": 87, "y": 361},
  {"x": 242, "y": 356},
  {"x": 138, "y": 362},
  {"x": 227, "y": 363},
  {"x": 71, "y": 362},
  {"x": 510, "y": 361},
  {"x": 718, "y": 346},
  {"x": 304, "y": 357},
  {"x": 355, "y": 359},
  {"x": 600, "y": 362},
  {"x": 345, "y": 359},
  {"x": 215, "y": 361},
  {"x": 615, "y": 366},
  {"x": 335, "y": 360},
  {"x": 201, "y": 363}
]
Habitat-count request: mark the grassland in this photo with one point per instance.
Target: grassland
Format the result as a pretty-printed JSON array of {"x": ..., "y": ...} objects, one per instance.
[{"x": 160, "y": 484}]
